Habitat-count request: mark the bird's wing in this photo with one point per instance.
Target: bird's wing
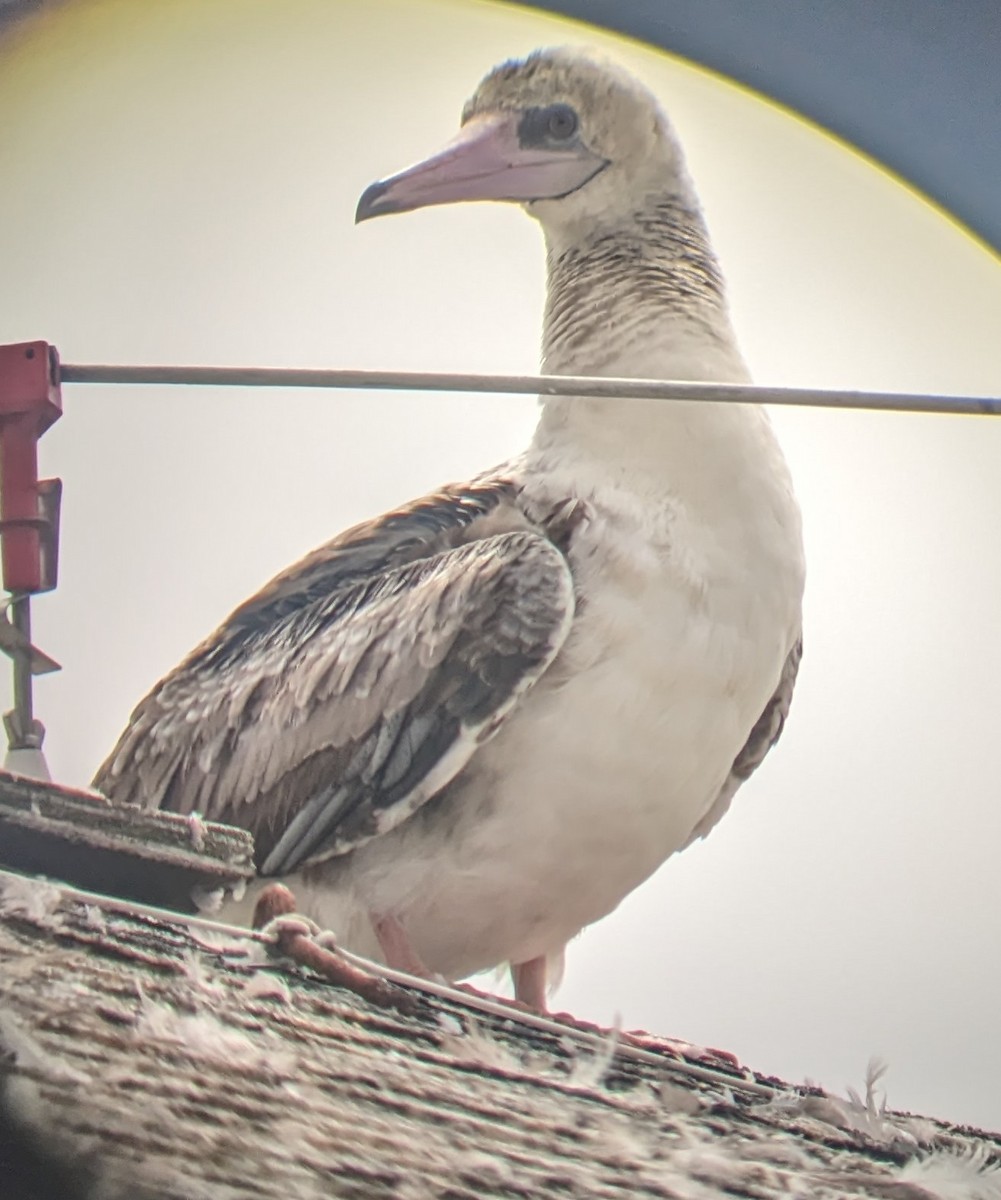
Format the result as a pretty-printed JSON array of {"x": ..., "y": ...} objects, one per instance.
[
  {"x": 357, "y": 684},
  {"x": 766, "y": 732}
]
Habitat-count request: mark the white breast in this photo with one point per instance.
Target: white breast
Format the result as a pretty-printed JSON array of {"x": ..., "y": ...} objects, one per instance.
[{"x": 609, "y": 763}]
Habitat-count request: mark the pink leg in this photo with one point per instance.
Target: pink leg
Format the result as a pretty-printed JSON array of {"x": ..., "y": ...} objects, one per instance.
[
  {"x": 396, "y": 947},
  {"x": 530, "y": 983}
]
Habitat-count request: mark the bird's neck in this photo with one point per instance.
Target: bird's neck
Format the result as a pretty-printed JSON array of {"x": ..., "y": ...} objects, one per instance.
[
  {"x": 643, "y": 298},
  {"x": 644, "y": 291}
]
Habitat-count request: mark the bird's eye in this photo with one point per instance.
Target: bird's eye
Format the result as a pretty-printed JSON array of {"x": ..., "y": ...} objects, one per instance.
[
  {"x": 561, "y": 121},
  {"x": 542, "y": 126}
]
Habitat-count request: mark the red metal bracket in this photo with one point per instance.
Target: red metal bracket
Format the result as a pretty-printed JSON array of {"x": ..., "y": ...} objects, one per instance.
[{"x": 30, "y": 402}]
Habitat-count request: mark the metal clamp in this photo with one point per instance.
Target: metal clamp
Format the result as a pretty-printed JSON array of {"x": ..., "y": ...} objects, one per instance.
[{"x": 30, "y": 402}]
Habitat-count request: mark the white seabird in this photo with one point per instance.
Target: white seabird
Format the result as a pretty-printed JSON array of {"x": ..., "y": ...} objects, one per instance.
[{"x": 466, "y": 730}]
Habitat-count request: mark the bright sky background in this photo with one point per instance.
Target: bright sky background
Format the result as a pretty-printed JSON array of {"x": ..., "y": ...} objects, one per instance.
[{"x": 179, "y": 183}]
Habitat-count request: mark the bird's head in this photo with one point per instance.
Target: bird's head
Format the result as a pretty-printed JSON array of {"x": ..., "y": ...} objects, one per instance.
[{"x": 572, "y": 138}]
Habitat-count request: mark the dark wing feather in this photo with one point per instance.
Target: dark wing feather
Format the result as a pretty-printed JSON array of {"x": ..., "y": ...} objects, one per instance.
[
  {"x": 766, "y": 732},
  {"x": 354, "y": 687},
  {"x": 768, "y": 727}
]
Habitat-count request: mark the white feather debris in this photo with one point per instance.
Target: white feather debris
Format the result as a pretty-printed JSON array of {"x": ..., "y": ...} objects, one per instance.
[
  {"x": 955, "y": 1176},
  {"x": 202, "y": 1035},
  {"x": 589, "y": 1070},
  {"x": 35, "y": 899},
  {"x": 263, "y": 985},
  {"x": 874, "y": 1113},
  {"x": 478, "y": 1048},
  {"x": 94, "y": 917},
  {"x": 208, "y": 901},
  {"x": 869, "y": 1115},
  {"x": 450, "y": 1023},
  {"x": 198, "y": 973}
]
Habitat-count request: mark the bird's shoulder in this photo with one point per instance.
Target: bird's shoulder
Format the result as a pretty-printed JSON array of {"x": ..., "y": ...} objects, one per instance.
[{"x": 452, "y": 516}]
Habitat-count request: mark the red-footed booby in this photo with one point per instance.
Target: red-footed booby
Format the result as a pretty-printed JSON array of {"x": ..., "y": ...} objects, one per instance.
[{"x": 466, "y": 730}]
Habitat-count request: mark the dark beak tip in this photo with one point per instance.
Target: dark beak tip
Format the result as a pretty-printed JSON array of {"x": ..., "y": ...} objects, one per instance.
[{"x": 368, "y": 204}]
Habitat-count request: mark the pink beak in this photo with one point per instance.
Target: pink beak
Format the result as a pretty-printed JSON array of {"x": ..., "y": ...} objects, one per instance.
[{"x": 486, "y": 161}]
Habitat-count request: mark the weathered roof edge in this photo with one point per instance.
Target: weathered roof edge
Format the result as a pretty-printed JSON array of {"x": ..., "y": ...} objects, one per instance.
[{"x": 177, "y": 1057}]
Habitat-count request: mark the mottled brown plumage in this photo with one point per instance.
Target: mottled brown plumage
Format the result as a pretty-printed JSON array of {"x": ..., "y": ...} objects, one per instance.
[{"x": 324, "y": 710}]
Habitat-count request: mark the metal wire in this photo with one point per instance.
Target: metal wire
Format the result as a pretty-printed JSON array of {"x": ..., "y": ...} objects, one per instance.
[{"x": 545, "y": 385}]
